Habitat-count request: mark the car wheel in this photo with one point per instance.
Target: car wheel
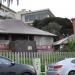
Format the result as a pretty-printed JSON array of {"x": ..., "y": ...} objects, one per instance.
[
  {"x": 71, "y": 73},
  {"x": 26, "y": 74}
]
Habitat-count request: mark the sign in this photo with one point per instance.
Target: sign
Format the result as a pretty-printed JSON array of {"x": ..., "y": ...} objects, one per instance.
[
  {"x": 29, "y": 47},
  {"x": 37, "y": 65}
]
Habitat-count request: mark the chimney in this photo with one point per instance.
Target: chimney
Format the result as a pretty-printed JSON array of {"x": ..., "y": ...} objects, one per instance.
[{"x": 73, "y": 23}]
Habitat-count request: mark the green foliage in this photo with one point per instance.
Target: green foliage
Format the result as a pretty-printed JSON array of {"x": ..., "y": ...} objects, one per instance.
[
  {"x": 9, "y": 2},
  {"x": 37, "y": 24},
  {"x": 70, "y": 47},
  {"x": 42, "y": 73},
  {"x": 55, "y": 25},
  {"x": 42, "y": 67},
  {"x": 52, "y": 27}
]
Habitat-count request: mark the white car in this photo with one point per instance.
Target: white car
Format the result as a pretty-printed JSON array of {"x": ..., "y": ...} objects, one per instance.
[{"x": 64, "y": 67}]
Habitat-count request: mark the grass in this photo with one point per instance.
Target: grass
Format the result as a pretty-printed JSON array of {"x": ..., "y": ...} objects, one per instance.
[{"x": 42, "y": 73}]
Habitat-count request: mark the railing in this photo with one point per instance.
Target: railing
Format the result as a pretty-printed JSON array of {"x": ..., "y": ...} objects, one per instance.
[{"x": 46, "y": 57}]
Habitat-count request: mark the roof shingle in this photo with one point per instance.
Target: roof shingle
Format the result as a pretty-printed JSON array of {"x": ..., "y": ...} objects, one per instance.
[{"x": 18, "y": 27}]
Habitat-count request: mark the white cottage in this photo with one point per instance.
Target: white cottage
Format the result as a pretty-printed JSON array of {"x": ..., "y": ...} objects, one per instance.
[{"x": 13, "y": 30}]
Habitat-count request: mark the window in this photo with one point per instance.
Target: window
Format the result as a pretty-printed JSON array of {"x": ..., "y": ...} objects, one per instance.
[
  {"x": 73, "y": 61},
  {"x": 4, "y": 61}
]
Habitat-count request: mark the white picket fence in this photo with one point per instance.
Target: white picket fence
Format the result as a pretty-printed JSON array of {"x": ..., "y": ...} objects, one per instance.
[
  {"x": 27, "y": 57},
  {"x": 45, "y": 57}
]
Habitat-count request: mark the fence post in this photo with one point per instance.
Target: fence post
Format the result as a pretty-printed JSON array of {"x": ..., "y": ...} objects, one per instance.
[
  {"x": 45, "y": 67},
  {"x": 37, "y": 65}
]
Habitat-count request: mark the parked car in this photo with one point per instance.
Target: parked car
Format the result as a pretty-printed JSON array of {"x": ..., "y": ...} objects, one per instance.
[
  {"x": 8, "y": 67},
  {"x": 64, "y": 67}
]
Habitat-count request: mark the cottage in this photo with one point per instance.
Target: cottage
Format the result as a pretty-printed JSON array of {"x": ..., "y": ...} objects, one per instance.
[{"x": 24, "y": 37}]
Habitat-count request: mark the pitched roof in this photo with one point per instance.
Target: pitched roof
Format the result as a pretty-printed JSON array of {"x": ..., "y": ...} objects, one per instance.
[
  {"x": 12, "y": 26},
  {"x": 64, "y": 40}
]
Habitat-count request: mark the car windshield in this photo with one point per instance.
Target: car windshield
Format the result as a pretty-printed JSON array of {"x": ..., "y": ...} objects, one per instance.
[{"x": 5, "y": 60}]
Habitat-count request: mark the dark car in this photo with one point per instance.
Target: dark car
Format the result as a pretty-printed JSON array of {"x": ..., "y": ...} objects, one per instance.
[{"x": 7, "y": 67}]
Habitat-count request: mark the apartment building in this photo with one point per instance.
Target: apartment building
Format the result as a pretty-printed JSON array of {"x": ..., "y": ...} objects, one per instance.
[
  {"x": 5, "y": 11},
  {"x": 29, "y": 16}
]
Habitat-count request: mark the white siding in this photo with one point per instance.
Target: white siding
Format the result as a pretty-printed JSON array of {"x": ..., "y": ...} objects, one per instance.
[
  {"x": 43, "y": 40},
  {"x": 18, "y": 16}
]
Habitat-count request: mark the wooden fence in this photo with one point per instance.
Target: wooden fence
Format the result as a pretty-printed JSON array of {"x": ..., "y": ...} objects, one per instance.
[{"x": 46, "y": 57}]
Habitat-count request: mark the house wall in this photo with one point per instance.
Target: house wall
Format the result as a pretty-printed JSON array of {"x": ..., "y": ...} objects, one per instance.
[
  {"x": 29, "y": 16},
  {"x": 23, "y": 45},
  {"x": 38, "y": 43},
  {"x": 18, "y": 15},
  {"x": 43, "y": 40},
  {"x": 5, "y": 40},
  {"x": 44, "y": 43}
]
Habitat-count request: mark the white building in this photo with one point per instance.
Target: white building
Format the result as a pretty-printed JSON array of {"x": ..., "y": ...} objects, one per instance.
[
  {"x": 30, "y": 16},
  {"x": 5, "y": 11}
]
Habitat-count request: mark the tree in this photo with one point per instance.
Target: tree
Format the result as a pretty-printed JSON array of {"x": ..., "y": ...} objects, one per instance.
[
  {"x": 70, "y": 47},
  {"x": 10, "y": 2},
  {"x": 52, "y": 27},
  {"x": 64, "y": 25},
  {"x": 37, "y": 24}
]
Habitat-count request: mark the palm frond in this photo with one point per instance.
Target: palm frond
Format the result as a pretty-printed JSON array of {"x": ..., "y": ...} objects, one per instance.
[{"x": 9, "y": 2}]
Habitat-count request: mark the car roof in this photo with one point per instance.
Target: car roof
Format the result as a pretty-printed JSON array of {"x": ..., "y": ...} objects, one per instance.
[
  {"x": 69, "y": 58},
  {"x": 66, "y": 60},
  {"x": 5, "y": 58}
]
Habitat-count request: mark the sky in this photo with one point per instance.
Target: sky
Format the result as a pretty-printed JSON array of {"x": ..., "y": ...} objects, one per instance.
[{"x": 60, "y": 8}]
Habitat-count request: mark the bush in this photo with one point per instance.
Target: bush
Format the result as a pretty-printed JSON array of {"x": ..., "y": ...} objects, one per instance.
[
  {"x": 43, "y": 68},
  {"x": 70, "y": 46}
]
